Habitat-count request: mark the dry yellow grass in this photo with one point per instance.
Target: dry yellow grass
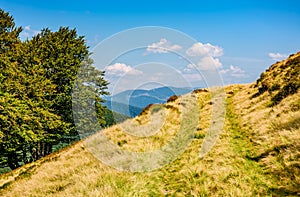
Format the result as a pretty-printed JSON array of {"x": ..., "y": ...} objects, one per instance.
[
  {"x": 256, "y": 154},
  {"x": 274, "y": 133},
  {"x": 225, "y": 171}
]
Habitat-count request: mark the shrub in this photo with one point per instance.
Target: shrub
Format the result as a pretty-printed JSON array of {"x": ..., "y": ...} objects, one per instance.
[
  {"x": 289, "y": 89},
  {"x": 172, "y": 98}
]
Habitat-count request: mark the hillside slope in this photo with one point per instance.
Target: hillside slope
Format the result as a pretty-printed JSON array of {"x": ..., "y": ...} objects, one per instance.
[{"x": 257, "y": 153}]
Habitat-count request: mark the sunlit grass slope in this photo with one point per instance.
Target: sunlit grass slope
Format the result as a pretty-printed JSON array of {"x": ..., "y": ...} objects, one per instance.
[{"x": 256, "y": 154}]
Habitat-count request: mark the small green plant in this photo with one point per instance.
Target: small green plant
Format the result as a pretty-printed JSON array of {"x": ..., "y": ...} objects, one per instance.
[
  {"x": 199, "y": 136},
  {"x": 290, "y": 88},
  {"x": 172, "y": 98},
  {"x": 155, "y": 108},
  {"x": 274, "y": 87}
]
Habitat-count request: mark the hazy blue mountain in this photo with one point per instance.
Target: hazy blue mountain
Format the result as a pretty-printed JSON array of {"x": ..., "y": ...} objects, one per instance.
[
  {"x": 121, "y": 108},
  {"x": 131, "y": 102}
]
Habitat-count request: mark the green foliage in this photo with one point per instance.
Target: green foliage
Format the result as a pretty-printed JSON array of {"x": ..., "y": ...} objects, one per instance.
[
  {"x": 36, "y": 80},
  {"x": 8, "y": 32},
  {"x": 274, "y": 87},
  {"x": 60, "y": 54},
  {"x": 88, "y": 112},
  {"x": 288, "y": 89}
]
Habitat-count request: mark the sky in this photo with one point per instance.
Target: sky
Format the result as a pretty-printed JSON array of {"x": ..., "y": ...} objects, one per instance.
[{"x": 239, "y": 39}]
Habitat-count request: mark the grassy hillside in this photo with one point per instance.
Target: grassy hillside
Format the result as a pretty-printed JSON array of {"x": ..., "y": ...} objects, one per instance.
[{"x": 257, "y": 153}]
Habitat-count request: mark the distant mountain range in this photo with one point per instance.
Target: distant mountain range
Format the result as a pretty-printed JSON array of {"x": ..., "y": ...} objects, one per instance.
[{"x": 132, "y": 102}]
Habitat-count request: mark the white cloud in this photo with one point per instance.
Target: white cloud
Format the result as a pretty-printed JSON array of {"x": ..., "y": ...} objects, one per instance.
[
  {"x": 224, "y": 71},
  {"x": 277, "y": 56},
  {"x": 207, "y": 54},
  {"x": 190, "y": 68},
  {"x": 120, "y": 69},
  {"x": 234, "y": 71},
  {"x": 199, "y": 49},
  {"x": 209, "y": 63},
  {"x": 28, "y": 32},
  {"x": 163, "y": 46},
  {"x": 206, "y": 63},
  {"x": 27, "y": 28}
]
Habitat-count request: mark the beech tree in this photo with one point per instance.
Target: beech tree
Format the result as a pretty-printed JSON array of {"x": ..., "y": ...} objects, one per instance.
[
  {"x": 27, "y": 123},
  {"x": 62, "y": 53},
  {"x": 36, "y": 80}
]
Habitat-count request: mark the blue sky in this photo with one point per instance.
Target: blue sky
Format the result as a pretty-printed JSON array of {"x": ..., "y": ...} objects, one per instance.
[{"x": 251, "y": 34}]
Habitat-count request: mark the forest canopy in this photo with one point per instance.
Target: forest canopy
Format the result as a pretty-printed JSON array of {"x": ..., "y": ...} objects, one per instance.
[{"x": 36, "y": 80}]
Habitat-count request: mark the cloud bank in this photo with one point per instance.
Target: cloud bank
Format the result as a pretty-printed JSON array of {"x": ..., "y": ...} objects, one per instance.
[
  {"x": 120, "y": 69},
  {"x": 199, "y": 49},
  {"x": 163, "y": 46},
  {"x": 234, "y": 71},
  {"x": 277, "y": 56}
]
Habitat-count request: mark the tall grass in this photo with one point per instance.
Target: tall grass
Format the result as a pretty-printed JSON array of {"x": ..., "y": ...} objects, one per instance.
[{"x": 256, "y": 154}]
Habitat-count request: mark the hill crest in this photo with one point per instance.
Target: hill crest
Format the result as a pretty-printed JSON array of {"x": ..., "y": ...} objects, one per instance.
[{"x": 257, "y": 152}]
